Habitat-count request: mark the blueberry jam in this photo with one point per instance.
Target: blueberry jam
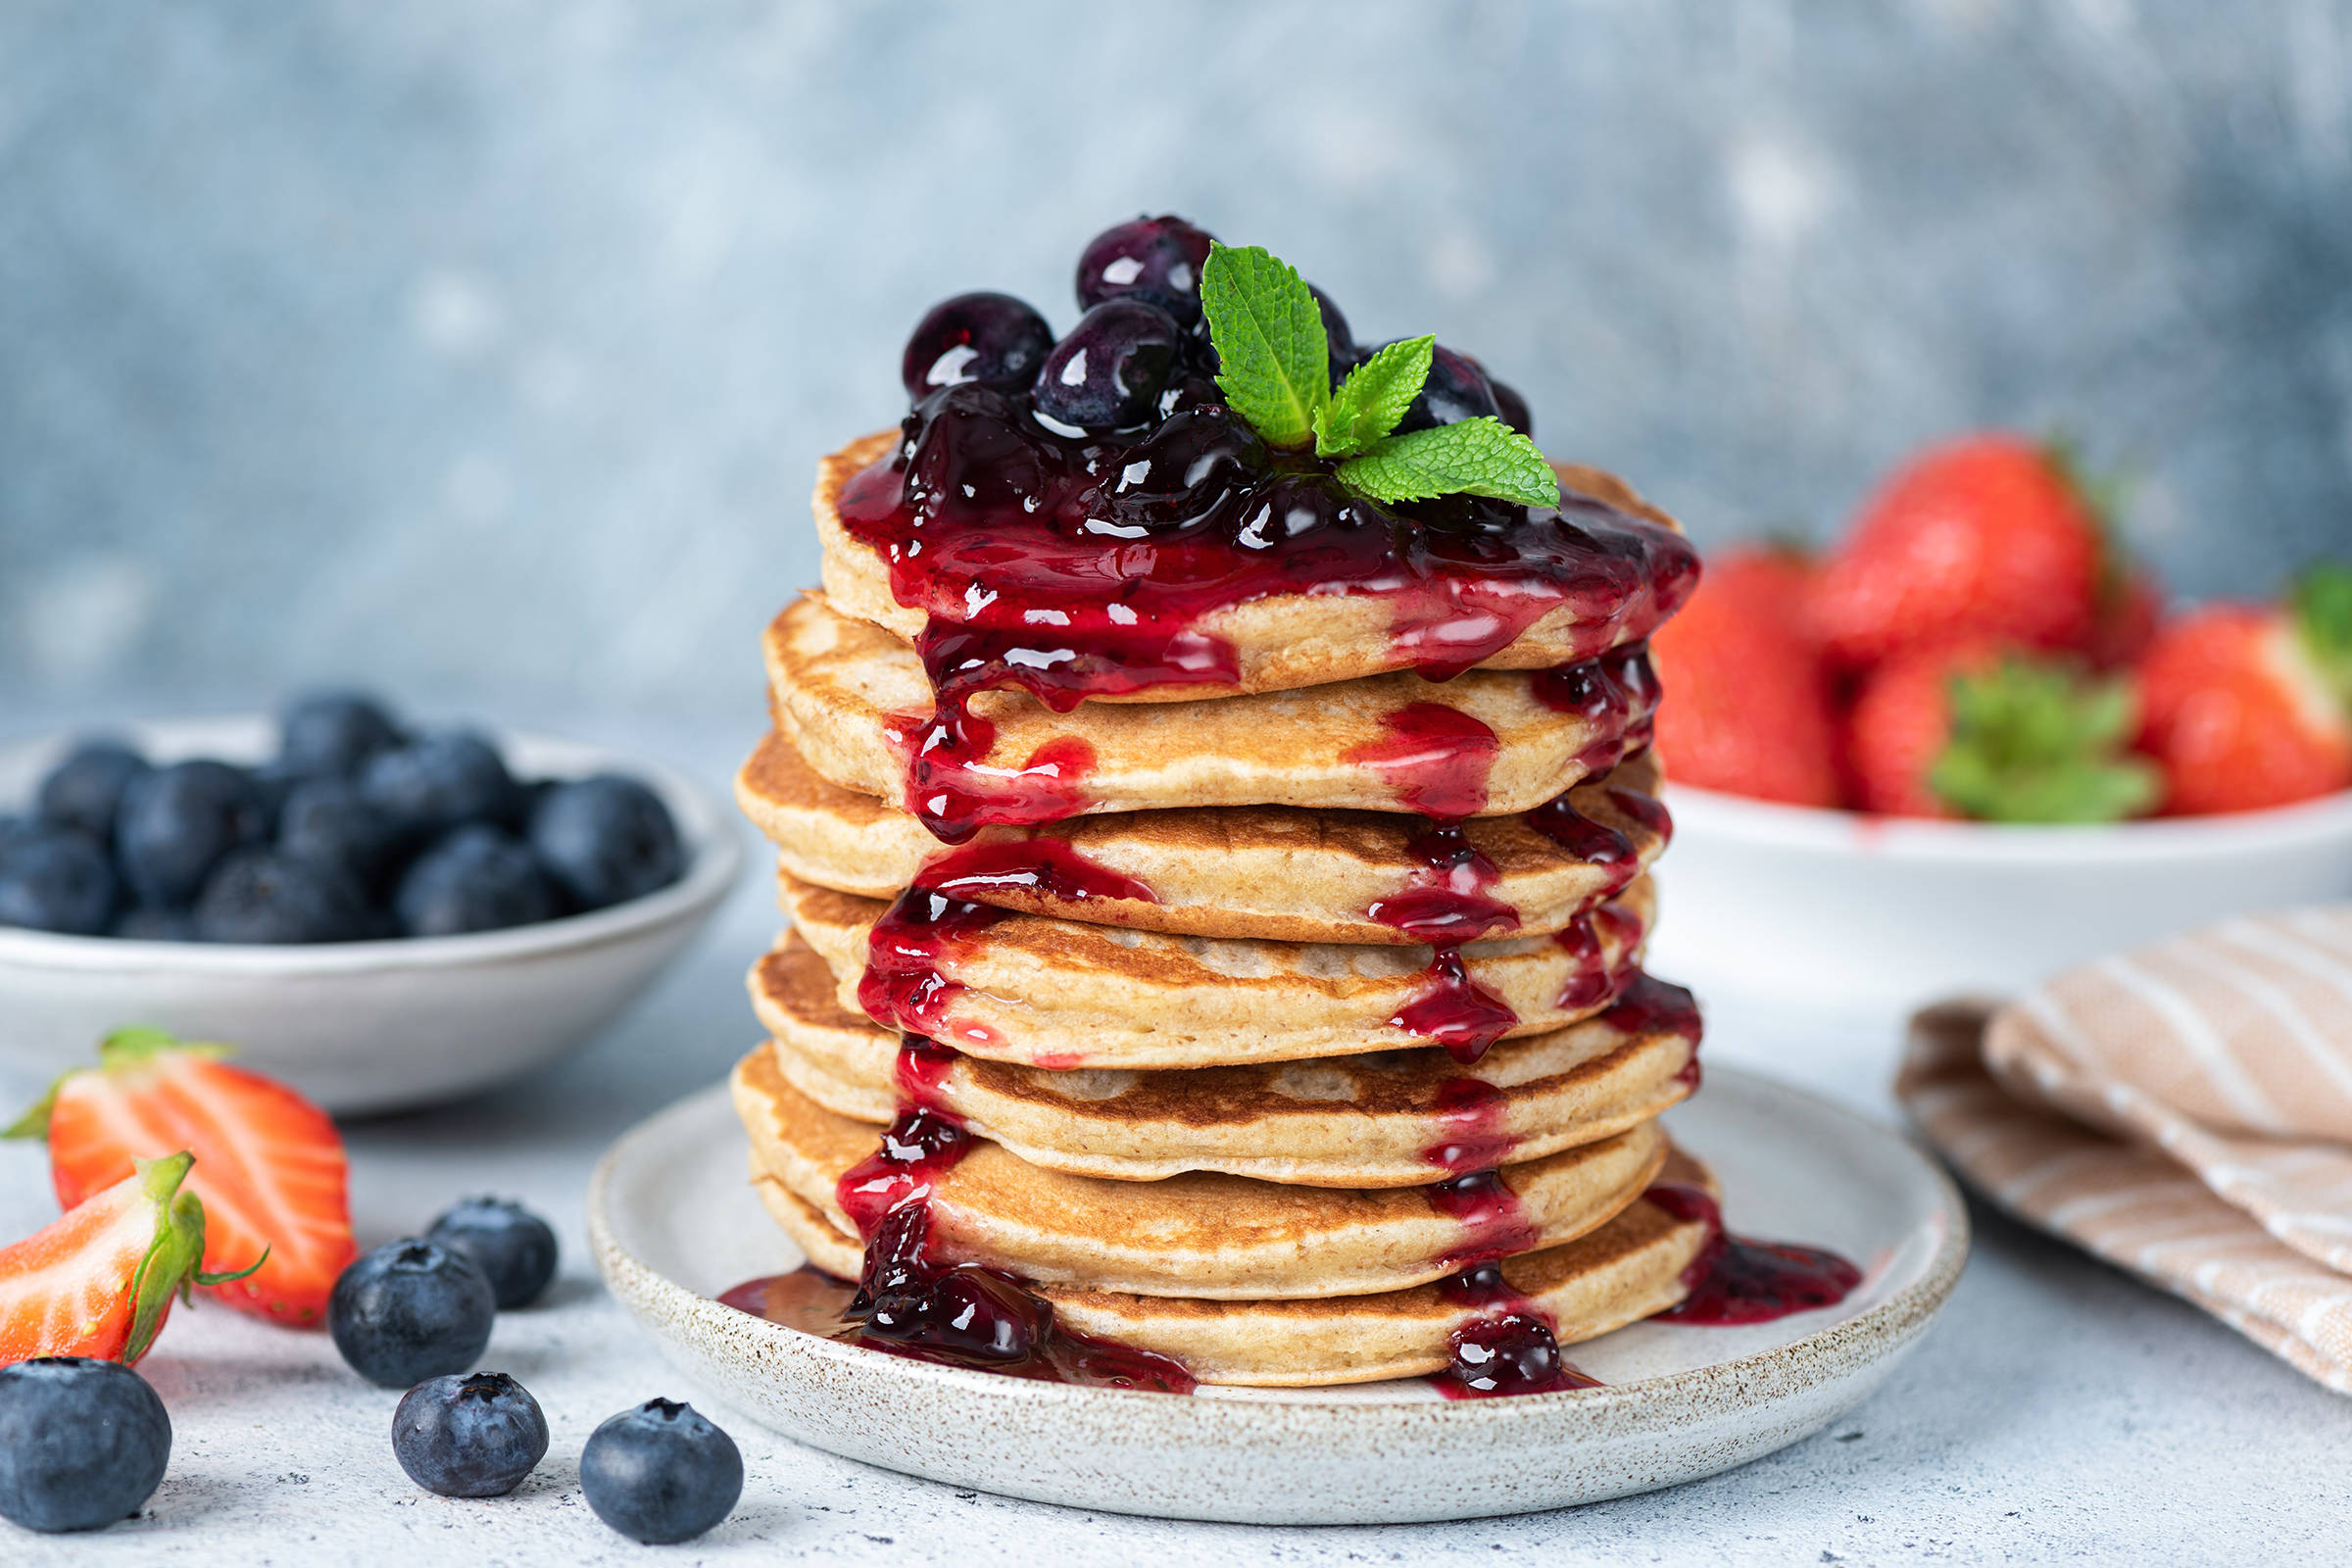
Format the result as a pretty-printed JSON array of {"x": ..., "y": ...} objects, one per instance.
[
  {"x": 1737, "y": 1279},
  {"x": 1616, "y": 692},
  {"x": 1045, "y": 866},
  {"x": 1447, "y": 904},
  {"x": 1508, "y": 1348},
  {"x": 1473, "y": 1111},
  {"x": 902, "y": 987},
  {"x": 1493, "y": 1224}
]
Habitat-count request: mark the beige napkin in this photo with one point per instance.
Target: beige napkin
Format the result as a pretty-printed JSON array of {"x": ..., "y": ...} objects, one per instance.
[{"x": 2183, "y": 1111}]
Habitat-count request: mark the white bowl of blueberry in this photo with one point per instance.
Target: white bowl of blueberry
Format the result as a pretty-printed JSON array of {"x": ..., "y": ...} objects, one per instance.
[{"x": 383, "y": 919}]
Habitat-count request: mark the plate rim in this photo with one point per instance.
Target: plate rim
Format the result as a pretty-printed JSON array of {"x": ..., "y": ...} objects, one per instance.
[{"x": 1880, "y": 1330}]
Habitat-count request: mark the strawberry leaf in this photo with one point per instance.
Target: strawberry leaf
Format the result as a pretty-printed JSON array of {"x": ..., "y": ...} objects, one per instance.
[
  {"x": 1480, "y": 456},
  {"x": 2322, "y": 606},
  {"x": 2037, "y": 742},
  {"x": 1368, "y": 404},
  {"x": 1273, "y": 356}
]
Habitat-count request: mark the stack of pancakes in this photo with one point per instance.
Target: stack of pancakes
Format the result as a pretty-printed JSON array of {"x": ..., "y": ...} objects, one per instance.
[{"x": 1325, "y": 1004}]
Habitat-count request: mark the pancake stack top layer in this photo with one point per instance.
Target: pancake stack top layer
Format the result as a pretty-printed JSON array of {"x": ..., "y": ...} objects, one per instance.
[{"x": 1228, "y": 892}]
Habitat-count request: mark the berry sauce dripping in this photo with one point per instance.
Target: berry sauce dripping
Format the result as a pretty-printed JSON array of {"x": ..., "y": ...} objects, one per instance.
[
  {"x": 1739, "y": 1280},
  {"x": 1045, "y": 866},
  {"x": 1508, "y": 1348},
  {"x": 1473, "y": 1111},
  {"x": 1493, "y": 1224},
  {"x": 902, "y": 987},
  {"x": 1615, "y": 693}
]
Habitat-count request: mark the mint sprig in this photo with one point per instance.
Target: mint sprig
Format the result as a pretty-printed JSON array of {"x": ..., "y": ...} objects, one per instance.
[{"x": 1274, "y": 364}]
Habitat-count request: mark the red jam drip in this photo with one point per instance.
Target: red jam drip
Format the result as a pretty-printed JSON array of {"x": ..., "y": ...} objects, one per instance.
[
  {"x": 1584, "y": 939},
  {"x": 1650, "y": 1005},
  {"x": 1045, "y": 868},
  {"x": 1588, "y": 841},
  {"x": 1616, "y": 694},
  {"x": 1437, "y": 759},
  {"x": 955, "y": 795},
  {"x": 902, "y": 987},
  {"x": 1455, "y": 1011},
  {"x": 1493, "y": 1223},
  {"x": 1473, "y": 1111},
  {"x": 1738, "y": 1280},
  {"x": 1508, "y": 1348},
  {"x": 1646, "y": 809},
  {"x": 921, "y": 1146},
  {"x": 922, "y": 1071},
  {"x": 1450, "y": 899}
]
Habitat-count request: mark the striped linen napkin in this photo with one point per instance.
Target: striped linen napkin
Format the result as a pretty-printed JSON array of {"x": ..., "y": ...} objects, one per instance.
[{"x": 2183, "y": 1111}]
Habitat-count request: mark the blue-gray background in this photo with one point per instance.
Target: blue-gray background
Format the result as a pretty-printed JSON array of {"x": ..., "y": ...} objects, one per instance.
[{"x": 482, "y": 350}]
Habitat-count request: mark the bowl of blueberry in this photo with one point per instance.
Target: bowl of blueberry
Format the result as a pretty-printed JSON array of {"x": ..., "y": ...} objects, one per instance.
[{"x": 382, "y": 916}]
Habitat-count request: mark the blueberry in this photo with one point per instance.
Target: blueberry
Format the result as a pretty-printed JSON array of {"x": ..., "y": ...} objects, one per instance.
[
  {"x": 1190, "y": 465},
  {"x": 54, "y": 880},
  {"x": 1456, "y": 390},
  {"x": 993, "y": 339},
  {"x": 661, "y": 1473},
  {"x": 438, "y": 781},
  {"x": 82, "y": 1442},
  {"x": 85, "y": 790},
  {"x": 514, "y": 1248},
  {"x": 411, "y": 1310},
  {"x": 476, "y": 879},
  {"x": 469, "y": 1437},
  {"x": 333, "y": 733},
  {"x": 329, "y": 822},
  {"x": 179, "y": 822},
  {"x": 263, "y": 895},
  {"x": 1109, "y": 371},
  {"x": 1511, "y": 408},
  {"x": 967, "y": 448},
  {"x": 148, "y": 923},
  {"x": 1156, "y": 260},
  {"x": 606, "y": 838}
]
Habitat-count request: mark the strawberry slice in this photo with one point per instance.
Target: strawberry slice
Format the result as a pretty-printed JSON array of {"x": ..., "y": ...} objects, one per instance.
[
  {"x": 99, "y": 1282},
  {"x": 269, "y": 1165}
]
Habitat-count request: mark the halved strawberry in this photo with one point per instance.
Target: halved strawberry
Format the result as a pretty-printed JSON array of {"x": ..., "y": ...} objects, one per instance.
[
  {"x": 100, "y": 1281},
  {"x": 269, "y": 1165}
]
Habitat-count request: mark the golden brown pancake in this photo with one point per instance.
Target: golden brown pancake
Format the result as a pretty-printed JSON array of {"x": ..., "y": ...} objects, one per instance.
[
  {"x": 852, "y": 698},
  {"x": 1205, "y": 1235},
  {"x": 1272, "y": 871},
  {"x": 1620, "y": 1273},
  {"x": 1061, "y": 994},
  {"x": 1376, "y": 1121},
  {"x": 1280, "y": 642}
]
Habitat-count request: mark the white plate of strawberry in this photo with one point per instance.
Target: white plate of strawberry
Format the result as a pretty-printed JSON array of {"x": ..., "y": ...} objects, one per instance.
[{"x": 1972, "y": 744}]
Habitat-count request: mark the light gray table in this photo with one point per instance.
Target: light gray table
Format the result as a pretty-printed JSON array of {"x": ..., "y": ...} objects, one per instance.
[{"x": 2058, "y": 1410}]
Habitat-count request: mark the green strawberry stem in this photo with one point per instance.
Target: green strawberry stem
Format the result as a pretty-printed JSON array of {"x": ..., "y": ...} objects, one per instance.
[
  {"x": 126, "y": 1049},
  {"x": 2038, "y": 742},
  {"x": 2321, "y": 606},
  {"x": 175, "y": 1259}
]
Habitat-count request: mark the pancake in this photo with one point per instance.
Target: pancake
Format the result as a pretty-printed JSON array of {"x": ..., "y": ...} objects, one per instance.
[
  {"x": 1272, "y": 871},
  {"x": 1618, "y": 1274},
  {"x": 1201, "y": 1234},
  {"x": 1280, "y": 642},
  {"x": 1358, "y": 1121},
  {"x": 1060, "y": 994},
  {"x": 852, "y": 698}
]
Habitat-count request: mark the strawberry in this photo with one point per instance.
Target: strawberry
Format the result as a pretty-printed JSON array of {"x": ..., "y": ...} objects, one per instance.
[
  {"x": 269, "y": 1165},
  {"x": 99, "y": 1282},
  {"x": 2248, "y": 707},
  {"x": 1973, "y": 730},
  {"x": 1987, "y": 538},
  {"x": 1750, "y": 713}
]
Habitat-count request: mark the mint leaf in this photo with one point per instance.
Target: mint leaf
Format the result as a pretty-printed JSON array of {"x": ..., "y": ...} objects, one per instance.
[
  {"x": 2321, "y": 606},
  {"x": 1480, "y": 456},
  {"x": 1274, "y": 361},
  {"x": 1374, "y": 397}
]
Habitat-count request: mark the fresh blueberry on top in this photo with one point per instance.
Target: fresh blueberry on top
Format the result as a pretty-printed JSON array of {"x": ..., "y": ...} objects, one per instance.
[
  {"x": 469, "y": 1437},
  {"x": 440, "y": 780},
  {"x": 333, "y": 733},
  {"x": 661, "y": 1473},
  {"x": 1190, "y": 463},
  {"x": 606, "y": 838},
  {"x": 149, "y": 922},
  {"x": 179, "y": 822},
  {"x": 514, "y": 1248},
  {"x": 85, "y": 790},
  {"x": 82, "y": 1442},
  {"x": 330, "y": 822},
  {"x": 411, "y": 1310},
  {"x": 1456, "y": 390},
  {"x": 1156, "y": 260},
  {"x": 963, "y": 448},
  {"x": 476, "y": 878},
  {"x": 52, "y": 879},
  {"x": 993, "y": 339},
  {"x": 1108, "y": 373},
  {"x": 267, "y": 896},
  {"x": 1511, "y": 408}
]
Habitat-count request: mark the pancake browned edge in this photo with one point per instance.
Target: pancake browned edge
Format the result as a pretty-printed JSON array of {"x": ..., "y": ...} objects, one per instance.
[
  {"x": 1356, "y": 1121},
  {"x": 1066, "y": 993},
  {"x": 853, "y": 699},
  {"x": 1279, "y": 641},
  {"x": 1270, "y": 871},
  {"x": 1200, "y": 1233}
]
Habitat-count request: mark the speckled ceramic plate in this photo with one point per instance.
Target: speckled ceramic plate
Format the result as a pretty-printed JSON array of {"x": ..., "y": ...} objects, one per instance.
[{"x": 674, "y": 1221}]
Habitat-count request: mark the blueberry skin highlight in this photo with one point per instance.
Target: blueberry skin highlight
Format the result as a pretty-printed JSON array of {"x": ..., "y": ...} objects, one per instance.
[
  {"x": 411, "y": 1310},
  {"x": 52, "y": 879},
  {"x": 178, "y": 823},
  {"x": 82, "y": 1442},
  {"x": 477, "y": 878},
  {"x": 261, "y": 896},
  {"x": 469, "y": 1437},
  {"x": 514, "y": 1248},
  {"x": 333, "y": 734},
  {"x": 85, "y": 790},
  {"x": 440, "y": 780},
  {"x": 605, "y": 840},
  {"x": 661, "y": 1473}
]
